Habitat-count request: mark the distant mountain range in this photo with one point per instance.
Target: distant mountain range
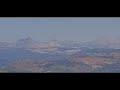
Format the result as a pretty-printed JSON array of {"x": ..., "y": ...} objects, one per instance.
[
  {"x": 104, "y": 42},
  {"x": 29, "y": 43}
]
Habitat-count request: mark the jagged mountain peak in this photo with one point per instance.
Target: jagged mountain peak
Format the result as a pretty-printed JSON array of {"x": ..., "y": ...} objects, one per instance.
[
  {"x": 29, "y": 38},
  {"x": 26, "y": 39},
  {"x": 25, "y": 42}
]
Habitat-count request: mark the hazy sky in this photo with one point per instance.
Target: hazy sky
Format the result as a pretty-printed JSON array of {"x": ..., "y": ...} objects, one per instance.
[{"x": 41, "y": 29}]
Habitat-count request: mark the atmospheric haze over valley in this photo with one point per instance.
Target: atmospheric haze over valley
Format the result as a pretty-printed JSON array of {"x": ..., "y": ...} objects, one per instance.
[{"x": 59, "y": 45}]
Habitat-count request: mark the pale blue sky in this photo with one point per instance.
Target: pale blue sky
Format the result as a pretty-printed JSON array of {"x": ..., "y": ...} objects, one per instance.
[{"x": 80, "y": 29}]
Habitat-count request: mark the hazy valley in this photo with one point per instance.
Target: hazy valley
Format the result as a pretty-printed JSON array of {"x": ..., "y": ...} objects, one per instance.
[{"x": 28, "y": 55}]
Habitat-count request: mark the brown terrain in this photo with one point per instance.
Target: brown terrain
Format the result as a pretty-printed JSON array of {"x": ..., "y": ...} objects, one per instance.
[{"x": 91, "y": 60}]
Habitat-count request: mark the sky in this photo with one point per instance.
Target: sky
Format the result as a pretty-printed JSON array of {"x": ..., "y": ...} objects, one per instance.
[{"x": 79, "y": 29}]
